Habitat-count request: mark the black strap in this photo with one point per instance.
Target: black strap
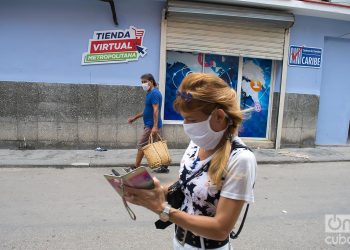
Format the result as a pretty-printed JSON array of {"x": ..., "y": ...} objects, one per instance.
[
  {"x": 234, "y": 235},
  {"x": 201, "y": 170},
  {"x": 161, "y": 224}
]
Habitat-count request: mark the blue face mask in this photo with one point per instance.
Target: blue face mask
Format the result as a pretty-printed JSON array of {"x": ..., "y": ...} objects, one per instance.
[{"x": 203, "y": 135}]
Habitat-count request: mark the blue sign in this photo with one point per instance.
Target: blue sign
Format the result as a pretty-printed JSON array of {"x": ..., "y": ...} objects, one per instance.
[{"x": 305, "y": 56}]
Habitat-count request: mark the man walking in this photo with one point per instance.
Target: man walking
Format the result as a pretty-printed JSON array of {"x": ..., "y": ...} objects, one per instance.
[{"x": 151, "y": 118}]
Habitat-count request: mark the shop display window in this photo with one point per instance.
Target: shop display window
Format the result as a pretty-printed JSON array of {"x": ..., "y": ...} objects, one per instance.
[{"x": 254, "y": 86}]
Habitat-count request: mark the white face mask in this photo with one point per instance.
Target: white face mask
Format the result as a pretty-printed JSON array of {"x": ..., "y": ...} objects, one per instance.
[
  {"x": 145, "y": 86},
  {"x": 202, "y": 134}
]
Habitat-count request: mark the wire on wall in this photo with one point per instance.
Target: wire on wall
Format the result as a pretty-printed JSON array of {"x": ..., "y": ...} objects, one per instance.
[{"x": 111, "y": 3}]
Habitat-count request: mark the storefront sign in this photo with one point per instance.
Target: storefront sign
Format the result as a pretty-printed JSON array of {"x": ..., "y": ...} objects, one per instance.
[
  {"x": 305, "y": 56},
  {"x": 115, "y": 46}
]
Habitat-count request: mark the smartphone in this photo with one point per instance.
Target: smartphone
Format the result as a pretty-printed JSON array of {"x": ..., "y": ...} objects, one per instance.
[{"x": 138, "y": 178}]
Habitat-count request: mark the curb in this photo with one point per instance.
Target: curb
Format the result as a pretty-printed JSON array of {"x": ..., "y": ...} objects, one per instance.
[
  {"x": 301, "y": 161},
  {"x": 61, "y": 166},
  {"x": 174, "y": 164}
]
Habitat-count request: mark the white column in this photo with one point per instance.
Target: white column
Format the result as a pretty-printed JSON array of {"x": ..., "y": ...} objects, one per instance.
[
  {"x": 162, "y": 61},
  {"x": 282, "y": 89}
]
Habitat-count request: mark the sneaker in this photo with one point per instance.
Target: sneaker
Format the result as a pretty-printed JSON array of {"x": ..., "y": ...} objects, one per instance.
[{"x": 162, "y": 170}]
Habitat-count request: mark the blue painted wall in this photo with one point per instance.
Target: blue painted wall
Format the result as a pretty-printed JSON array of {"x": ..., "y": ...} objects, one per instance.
[
  {"x": 331, "y": 82},
  {"x": 43, "y": 40},
  {"x": 334, "y": 111},
  {"x": 311, "y": 31}
]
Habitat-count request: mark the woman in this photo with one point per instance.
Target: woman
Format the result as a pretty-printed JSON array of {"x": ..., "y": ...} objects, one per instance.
[{"x": 214, "y": 199}]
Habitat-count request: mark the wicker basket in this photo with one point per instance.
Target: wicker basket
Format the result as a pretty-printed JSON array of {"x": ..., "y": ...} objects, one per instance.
[{"x": 157, "y": 153}]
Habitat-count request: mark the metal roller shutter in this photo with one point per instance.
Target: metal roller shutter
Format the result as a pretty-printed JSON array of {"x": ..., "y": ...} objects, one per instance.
[{"x": 226, "y": 30}]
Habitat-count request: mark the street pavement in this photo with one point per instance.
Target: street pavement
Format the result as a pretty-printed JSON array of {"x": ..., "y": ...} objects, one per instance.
[
  {"x": 75, "y": 208},
  {"x": 125, "y": 157}
]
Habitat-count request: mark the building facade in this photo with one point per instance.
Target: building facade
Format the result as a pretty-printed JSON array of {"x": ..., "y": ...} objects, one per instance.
[{"x": 69, "y": 76}]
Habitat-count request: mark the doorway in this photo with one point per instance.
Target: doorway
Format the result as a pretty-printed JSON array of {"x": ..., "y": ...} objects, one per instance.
[{"x": 334, "y": 109}]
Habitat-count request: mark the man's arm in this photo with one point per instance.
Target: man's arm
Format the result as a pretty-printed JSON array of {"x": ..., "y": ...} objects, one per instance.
[
  {"x": 134, "y": 118},
  {"x": 155, "y": 118}
]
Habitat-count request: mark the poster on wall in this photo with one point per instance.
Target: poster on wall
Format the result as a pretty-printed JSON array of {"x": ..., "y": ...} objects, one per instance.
[
  {"x": 180, "y": 64},
  {"x": 255, "y": 96},
  {"x": 225, "y": 67},
  {"x": 305, "y": 56},
  {"x": 115, "y": 46}
]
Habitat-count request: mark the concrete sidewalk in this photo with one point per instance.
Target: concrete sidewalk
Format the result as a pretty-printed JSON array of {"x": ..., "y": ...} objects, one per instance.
[{"x": 125, "y": 157}]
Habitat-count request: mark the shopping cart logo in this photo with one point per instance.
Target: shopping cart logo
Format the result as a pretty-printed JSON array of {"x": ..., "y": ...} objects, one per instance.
[{"x": 138, "y": 32}]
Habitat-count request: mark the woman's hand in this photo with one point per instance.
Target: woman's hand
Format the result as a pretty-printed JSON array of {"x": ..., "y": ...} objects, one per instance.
[{"x": 153, "y": 199}]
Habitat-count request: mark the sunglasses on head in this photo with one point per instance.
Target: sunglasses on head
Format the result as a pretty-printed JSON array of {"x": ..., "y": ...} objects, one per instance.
[{"x": 187, "y": 97}]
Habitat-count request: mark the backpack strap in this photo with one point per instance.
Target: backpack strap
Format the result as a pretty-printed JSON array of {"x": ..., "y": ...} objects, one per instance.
[
  {"x": 234, "y": 235},
  {"x": 235, "y": 145}
]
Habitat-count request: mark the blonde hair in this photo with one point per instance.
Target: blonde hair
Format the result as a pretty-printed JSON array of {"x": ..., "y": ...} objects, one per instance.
[{"x": 207, "y": 93}]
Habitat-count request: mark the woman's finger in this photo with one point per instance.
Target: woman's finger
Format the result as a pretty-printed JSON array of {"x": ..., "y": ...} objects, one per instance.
[
  {"x": 156, "y": 182},
  {"x": 130, "y": 198},
  {"x": 134, "y": 200},
  {"x": 138, "y": 194},
  {"x": 131, "y": 190}
]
